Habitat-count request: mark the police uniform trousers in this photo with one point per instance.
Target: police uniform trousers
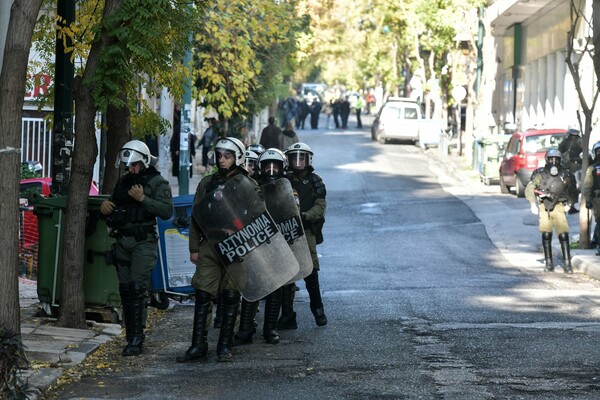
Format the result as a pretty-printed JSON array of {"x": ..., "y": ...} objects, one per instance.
[
  {"x": 136, "y": 260},
  {"x": 211, "y": 275},
  {"x": 596, "y": 205},
  {"x": 556, "y": 218},
  {"x": 312, "y": 246}
]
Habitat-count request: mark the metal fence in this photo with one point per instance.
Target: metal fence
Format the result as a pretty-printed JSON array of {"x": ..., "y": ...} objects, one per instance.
[{"x": 36, "y": 142}]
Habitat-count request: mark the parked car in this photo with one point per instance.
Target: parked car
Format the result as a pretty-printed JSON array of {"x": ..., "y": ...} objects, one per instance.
[
  {"x": 401, "y": 119},
  {"x": 524, "y": 153}
]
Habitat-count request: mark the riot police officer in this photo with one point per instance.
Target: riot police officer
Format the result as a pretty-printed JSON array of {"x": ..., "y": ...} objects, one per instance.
[
  {"x": 257, "y": 148},
  {"x": 251, "y": 164},
  {"x": 311, "y": 193},
  {"x": 555, "y": 189},
  {"x": 140, "y": 196},
  {"x": 271, "y": 164},
  {"x": 591, "y": 191},
  {"x": 211, "y": 279}
]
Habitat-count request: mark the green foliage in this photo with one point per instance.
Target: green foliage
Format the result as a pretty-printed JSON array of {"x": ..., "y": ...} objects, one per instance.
[
  {"x": 148, "y": 41},
  {"x": 27, "y": 173},
  {"x": 147, "y": 123},
  {"x": 12, "y": 359},
  {"x": 240, "y": 54}
]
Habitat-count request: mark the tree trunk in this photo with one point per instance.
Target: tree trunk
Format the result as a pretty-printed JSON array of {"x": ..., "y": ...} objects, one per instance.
[
  {"x": 23, "y": 16},
  {"x": 118, "y": 133},
  {"x": 72, "y": 309}
]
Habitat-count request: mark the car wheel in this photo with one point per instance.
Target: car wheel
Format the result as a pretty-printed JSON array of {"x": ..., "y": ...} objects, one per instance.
[
  {"x": 503, "y": 188},
  {"x": 520, "y": 188}
]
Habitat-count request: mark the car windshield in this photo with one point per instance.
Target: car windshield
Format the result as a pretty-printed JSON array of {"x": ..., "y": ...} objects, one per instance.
[{"x": 542, "y": 143}]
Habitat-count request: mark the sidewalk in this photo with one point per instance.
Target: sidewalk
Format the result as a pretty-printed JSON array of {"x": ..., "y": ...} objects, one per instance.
[{"x": 513, "y": 230}]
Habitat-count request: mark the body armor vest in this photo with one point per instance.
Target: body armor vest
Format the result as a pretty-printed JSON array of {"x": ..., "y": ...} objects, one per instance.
[
  {"x": 127, "y": 209},
  {"x": 555, "y": 187},
  {"x": 307, "y": 189}
]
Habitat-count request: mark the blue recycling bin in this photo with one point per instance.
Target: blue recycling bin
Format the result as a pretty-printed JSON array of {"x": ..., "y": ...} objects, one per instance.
[{"x": 173, "y": 272}]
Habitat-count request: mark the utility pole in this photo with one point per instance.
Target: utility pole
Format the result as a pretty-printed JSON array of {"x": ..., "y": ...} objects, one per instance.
[
  {"x": 184, "y": 136},
  {"x": 62, "y": 139}
]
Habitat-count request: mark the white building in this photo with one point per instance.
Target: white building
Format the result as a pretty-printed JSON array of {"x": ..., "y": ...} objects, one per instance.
[{"x": 533, "y": 85}]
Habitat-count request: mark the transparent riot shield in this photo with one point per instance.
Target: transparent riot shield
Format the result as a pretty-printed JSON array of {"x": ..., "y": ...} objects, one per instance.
[
  {"x": 281, "y": 204},
  {"x": 234, "y": 219}
]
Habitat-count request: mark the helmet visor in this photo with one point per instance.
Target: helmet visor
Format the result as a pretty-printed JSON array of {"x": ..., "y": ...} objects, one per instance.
[
  {"x": 298, "y": 160},
  {"x": 129, "y": 157}
]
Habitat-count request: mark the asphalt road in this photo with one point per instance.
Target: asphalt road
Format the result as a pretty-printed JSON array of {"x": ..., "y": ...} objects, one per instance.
[{"x": 421, "y": 305}]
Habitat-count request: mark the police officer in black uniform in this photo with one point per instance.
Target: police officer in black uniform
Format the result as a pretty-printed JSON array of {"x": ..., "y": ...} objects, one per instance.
[
  {"x": 311, "y": 193},
  {"x": 140, "y": 196},
  {"x": 555, "y": 189},
  {"x": 591, "y": 192}
]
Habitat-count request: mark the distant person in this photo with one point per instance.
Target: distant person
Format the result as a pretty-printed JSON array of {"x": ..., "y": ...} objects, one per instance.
[
  {"x": 207, "y": 141},
  {"x": 335, "y": 111},
  {"x": 345, "y": 112},
  {"x": 571, "y": 148},
  {"x": 360, "y": 103},
  {"x": 271, "y": 135},
  {"x": 288, "y": 136},
  {"x": 315, "y": 112},
  {"x": 591, "y": 193}
]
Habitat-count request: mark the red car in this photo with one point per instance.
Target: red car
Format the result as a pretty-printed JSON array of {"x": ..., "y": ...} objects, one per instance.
[{"x": 524, "y": 153}]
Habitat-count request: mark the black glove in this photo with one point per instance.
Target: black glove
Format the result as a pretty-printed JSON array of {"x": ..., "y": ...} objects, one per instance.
[{"x": 589, "y": 205}]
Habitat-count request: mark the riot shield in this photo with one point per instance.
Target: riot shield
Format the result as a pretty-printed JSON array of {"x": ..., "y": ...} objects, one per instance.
[
  {"x": 281, "y": 204},
  {"x": 234, "y": 219}
]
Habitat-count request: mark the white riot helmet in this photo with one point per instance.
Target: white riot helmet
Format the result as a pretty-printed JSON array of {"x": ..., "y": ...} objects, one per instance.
[
  {"x": 298, "y": 150},
  {"x": 234, "y": 146},
  {"x": 595, "y": 151},
  {"x": 272, "y": 163},
  {"x": 257, "y": 148},
  {"x": 135, "y": 151},
  {"x": 251, "y": 162},
  {"x": 573, "y": 130}
]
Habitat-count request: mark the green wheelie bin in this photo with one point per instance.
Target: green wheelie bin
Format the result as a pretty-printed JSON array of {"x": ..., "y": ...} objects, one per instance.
[
  {"x": 101, "y": 286},
  {"x": 492, "y": 151}
]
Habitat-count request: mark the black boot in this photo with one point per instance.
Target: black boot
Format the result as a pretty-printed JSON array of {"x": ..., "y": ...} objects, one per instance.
[
  {"x": 199, "y": 347},
  {"x": 547, "y": 244},
  {"x": 565, "y": 246},
  {"x": 314, "y": 292},
  {"x": 231, "y": 303},
  {"x": 247, "y": 329},
  {"x": 272, "y": 306},
  {"x": 134, "y": 315},
  {"x": 219, "y": 312},
  {"x": 288, "y": 316}
]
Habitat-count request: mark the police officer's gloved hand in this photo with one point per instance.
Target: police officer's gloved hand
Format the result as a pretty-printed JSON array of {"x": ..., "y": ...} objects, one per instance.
[
  {"x": 589, "y": 205},
  {"x": 137, "y": 192},
  {"x": 107, "y": 207},
  {"x": 534, "y": 209}
]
